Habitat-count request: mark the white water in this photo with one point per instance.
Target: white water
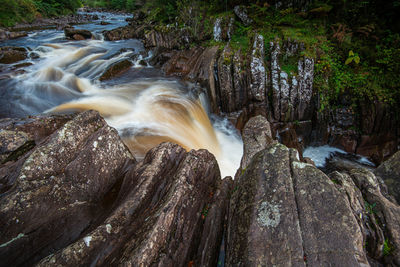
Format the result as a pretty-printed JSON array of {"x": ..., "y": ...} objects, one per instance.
[
  {"x": 321, "y": 153},
  {"x": 145, "y": 111}
]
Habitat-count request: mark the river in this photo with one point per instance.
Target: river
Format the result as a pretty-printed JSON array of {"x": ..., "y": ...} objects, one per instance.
[{"x": 145, "y": 107}]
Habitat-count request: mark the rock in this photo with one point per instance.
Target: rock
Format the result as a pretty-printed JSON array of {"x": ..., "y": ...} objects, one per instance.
[
  {"x": 225, "y": 79},
  {"x": 223, "y": 28},
  {"x": 275, "y": 74},
  {"x": 15, "y": 35},
  {"x": 241, "y": 13},
  {"x": 116, "y": 69},
  {"x": 104, "y": 22},
  {"x": 383, "y": 212},
  {"x": 17, "y": 136},
  {"x": 126, "y": 32},
  {"x": 77, "y": 197},
  {"x": 77, "y": 34},
  {"x": 258, "y": 88},
  {"x": 217, "y": 31},
  {"x": 3, "y": 35},
  {"x": 389, "y": 171},
  {"x": 162, "y": 210},
  {"x": 170, "y": 39},
  {"x": 195, "y": 65},
  {"x": 59, "y": 188},
  {"x": 305, "y": 87},
  {"x": 256, "y": 136},
  {"x": 240, "y": 80},
  {"x": 343, "y": 134},
  {"x": 11, "y": 54},
  {"x": 285, "y": 212}
]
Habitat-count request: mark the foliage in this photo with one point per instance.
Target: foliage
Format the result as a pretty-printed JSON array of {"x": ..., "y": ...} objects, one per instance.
[
  {"x": 353, "y": 57},
  {"x": 13, "y": 11},
  {"x": 126, "y": 5},
  {"x": 388, "y": 249}
]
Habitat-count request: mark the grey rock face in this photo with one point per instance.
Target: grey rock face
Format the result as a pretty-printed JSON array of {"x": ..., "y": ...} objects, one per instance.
[
  {"x": 285, "y": 212},
  {"x": 227, "y": 92},
  {"x": 217, "y": 31},
  {"x": 258, "y": 71},
  {"x": 305, "y": 86},
  {"x": 55, "y": 191},
  {"x": 241, "y": 12},
  {"x": 256, "y": 136},
  {"x": 275, "y": 73},
  {"x": 291, "y": 96},
  {"x": 384, "y": 215}
]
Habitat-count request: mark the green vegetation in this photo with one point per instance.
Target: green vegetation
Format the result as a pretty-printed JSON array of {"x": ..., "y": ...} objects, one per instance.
[
  {"x": 13, "y": 11},
  {"x": 387, "y": 248},
  {"x": 125, "y": 5}
]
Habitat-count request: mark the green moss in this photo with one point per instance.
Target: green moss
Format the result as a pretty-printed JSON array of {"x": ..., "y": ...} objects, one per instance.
[{"x": 388, "y": 248}]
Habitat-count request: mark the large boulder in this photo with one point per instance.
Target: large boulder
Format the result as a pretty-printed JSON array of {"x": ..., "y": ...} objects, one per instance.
[
  {"x": 77, "y": 197},
  {"x": 59, "y": 188},
  {"x": 256, "y": 136},
  {"x": 376, "y": 211},
  {"x": 116, "y": 69},
  {"x": 163, "y": 205},
  {"x": 288, "y": 213},
  {"x": 77, "y": 34},
  {"x": 10, "y": 54}
]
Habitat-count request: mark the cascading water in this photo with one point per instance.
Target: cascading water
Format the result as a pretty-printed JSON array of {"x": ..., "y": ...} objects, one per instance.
[{"x": 145, "y": 111}]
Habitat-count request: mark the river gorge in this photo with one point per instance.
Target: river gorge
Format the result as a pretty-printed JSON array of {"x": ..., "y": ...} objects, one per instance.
[{"x": 130, "y": 147}]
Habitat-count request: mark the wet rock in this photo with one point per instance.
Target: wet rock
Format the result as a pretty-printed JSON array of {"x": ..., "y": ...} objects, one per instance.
[
  {"x": 10, "y": 54},
  {"x": 58, "y": 189},
  {"x": 122, "y": 33},
  {"x": 241, "y": 13},
  {"x": 116, "y": 69},
  {"x": 165, "y": 204},
  {"x": 377, "y": 147},
  {"x": 256, "y": 136},
  {"x": 389, "y": 171},
  {"x": 170, "y": 39},
  {"x": 15, "y": 35},
  {"x": 196, "y": 65},
  {"x": 104, "y": 23},
  {"x": 77, "y": 34},
  {"x": 276, "y": 216},
  {"x": 343, "y": 134},
  {"x": 258, "y": 88}
]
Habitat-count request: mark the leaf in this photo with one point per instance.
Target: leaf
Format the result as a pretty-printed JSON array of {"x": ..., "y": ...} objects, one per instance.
[
  {"x": 348, "y": 61},
  {"x": 357, "y": 59},
  {"x": 351, "y": 53}
]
